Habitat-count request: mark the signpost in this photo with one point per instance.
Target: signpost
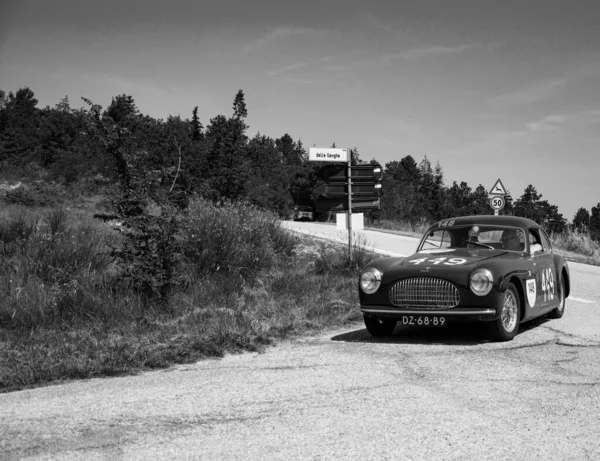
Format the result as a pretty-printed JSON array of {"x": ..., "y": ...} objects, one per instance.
[
  {"x": 345, "y": 186},
  {"x": 496, "y": 195}
]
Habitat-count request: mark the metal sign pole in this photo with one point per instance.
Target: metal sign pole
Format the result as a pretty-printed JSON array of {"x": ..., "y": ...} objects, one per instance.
[{"x": 349, "y": 226}]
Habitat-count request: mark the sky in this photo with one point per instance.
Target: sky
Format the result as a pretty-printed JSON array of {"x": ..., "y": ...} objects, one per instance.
[{"x": 490, "y": 89}]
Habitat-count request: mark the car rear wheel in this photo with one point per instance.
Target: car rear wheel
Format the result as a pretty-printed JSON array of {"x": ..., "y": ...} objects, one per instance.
[
  {"x": 558, "y": 311},
  {"x": 507, "y": 325},
  {"x": 379, "y": 327}
]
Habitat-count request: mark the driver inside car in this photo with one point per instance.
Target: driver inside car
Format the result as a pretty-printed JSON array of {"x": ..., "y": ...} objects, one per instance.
[{"x": 510, "y": 240}]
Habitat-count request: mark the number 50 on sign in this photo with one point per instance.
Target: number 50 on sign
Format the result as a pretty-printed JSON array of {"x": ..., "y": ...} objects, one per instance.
[{"x": 497, "y": 203}]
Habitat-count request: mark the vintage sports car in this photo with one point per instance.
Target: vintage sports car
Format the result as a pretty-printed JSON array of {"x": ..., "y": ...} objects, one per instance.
[
  {"x": 303, "y": 212},
  {"x": 495, "y": 269}
]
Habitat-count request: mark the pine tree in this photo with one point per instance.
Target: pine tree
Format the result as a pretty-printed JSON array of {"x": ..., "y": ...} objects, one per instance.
[
  {"x": 121, "y": 108},
  {"x": 595, "y": 223},
  {"x": 530, "y": 205},
  {"x": 239, "y": 106},
  {"x": 581, "y": 220},
  {"x": 63, "y": 105},
  {"x": 196, "y": 126},
  {"x": 21, "y": 122}
]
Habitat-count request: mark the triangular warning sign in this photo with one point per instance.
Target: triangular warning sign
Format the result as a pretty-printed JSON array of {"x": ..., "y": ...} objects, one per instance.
[{"x": 498, "y": 188}]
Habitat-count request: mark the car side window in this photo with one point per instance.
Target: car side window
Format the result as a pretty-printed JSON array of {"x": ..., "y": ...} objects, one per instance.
[
  {"x": 545, "y": 241},
  {"x": 535, "y": 241}
]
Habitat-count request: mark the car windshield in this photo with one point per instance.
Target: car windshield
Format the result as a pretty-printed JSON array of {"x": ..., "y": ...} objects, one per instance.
[
  {"x": 304, "y": 208},
  {"x": 484, "y": 237}
]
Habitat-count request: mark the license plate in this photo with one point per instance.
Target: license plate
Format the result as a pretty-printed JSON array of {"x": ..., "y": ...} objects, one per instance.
[{"x": 423, "y": 320}]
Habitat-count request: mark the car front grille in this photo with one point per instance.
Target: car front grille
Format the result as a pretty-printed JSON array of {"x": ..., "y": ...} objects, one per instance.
[{"x": 424, "y": 293}]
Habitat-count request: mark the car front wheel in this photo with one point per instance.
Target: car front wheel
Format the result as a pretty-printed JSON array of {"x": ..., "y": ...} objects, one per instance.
[
  {"x": 558, "y": 311},
  {"x": 507, "y": 325},
  {"x": 379, "y": 327}
]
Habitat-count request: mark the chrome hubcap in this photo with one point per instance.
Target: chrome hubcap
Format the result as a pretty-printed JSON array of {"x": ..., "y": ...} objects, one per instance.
[{"x": 509, "y": 312}]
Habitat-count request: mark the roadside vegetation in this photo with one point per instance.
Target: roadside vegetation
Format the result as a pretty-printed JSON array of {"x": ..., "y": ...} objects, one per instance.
[{"x": 241, "y": 281}]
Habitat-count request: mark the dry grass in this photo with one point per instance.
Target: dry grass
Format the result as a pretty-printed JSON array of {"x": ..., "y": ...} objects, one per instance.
[
  {"x": 246, "y": 282},
  {"x": 402, "y": 228},
  {"x": 577, "y": 246}
]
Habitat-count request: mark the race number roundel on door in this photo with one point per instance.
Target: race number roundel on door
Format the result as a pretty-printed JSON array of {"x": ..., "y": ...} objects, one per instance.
[{"x": 497, "y": 203}]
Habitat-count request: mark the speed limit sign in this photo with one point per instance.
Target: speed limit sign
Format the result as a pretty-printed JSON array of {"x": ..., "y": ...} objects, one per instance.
[{"x": 497, "y": 202}]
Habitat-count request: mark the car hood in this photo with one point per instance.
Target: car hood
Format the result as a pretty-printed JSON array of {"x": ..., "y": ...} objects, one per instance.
[{"x": 436, "y": 263}]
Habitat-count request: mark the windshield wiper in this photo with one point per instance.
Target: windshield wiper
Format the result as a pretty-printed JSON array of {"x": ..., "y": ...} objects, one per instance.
[{"x": 480, "y": 244}]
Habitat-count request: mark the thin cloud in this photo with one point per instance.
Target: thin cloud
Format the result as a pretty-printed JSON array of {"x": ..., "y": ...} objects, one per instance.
[
  {"x": 288, "y": 69},
  {"x": 556, "y": 121},
  {"x": 277, "y": 34},
  {"x": 301, "y": 81},
  {"x": 548, "y": 123},
  {"x": 536, "y": 92},
  {"x": 377, "y": 23},
  {"x": 414, "y": 54}
]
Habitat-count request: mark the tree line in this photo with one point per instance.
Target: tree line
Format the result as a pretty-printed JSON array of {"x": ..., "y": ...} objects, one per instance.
[{"x": 220, "y": 162}]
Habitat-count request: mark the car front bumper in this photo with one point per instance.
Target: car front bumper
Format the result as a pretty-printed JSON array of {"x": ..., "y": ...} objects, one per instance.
[{"x": 456, "y": 313}]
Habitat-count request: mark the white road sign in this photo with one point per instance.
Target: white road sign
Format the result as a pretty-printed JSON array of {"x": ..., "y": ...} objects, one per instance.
[
  {"x": 497, "y": 202},
  {"x": 318, "y": 154}
]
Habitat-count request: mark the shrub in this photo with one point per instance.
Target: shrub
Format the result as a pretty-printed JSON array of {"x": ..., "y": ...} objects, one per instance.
[
  {"x": 39, "y": 194},
  {"x": 232, "y": 238},
  {"x": 334, "y": 258},
  {"x": 51, "y": 270}
]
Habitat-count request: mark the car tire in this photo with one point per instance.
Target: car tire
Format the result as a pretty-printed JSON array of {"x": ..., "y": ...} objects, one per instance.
[
  {"x": 507, "y": 325},
  {"x": 379, "y": 327},
  {"x": 559, "y": 311}
]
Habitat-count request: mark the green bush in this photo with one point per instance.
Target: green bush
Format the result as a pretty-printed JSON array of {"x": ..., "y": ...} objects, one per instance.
[
  {"x": 39, "y": 194},
  {"x": 235, "y": 239}
]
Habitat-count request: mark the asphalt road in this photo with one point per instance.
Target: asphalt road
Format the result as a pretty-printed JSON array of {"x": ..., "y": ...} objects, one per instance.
[{"x": 421, "y": 394}]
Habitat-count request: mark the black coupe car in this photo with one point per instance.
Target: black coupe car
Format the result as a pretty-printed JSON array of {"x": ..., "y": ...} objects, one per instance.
[{"x": 496, "y": 269}]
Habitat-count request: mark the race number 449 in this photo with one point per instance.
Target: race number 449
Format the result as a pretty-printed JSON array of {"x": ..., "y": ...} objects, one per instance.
[{"x": 548, "y": 284}]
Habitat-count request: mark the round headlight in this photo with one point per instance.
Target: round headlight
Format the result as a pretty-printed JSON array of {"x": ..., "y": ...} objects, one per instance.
[
  {"x": 370, "y": 280},
  {"x": 481, "y": 282}
]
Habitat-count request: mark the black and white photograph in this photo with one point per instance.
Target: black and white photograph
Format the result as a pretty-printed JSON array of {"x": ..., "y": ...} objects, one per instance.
[{"x": 299, "y": 230}]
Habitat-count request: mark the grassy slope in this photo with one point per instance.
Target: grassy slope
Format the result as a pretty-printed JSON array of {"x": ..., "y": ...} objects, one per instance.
[{"x": 67, "y": 315}]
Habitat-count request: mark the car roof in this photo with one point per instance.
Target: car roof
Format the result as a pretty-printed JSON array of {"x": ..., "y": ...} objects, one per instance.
[{"x": 515, "y": 221}]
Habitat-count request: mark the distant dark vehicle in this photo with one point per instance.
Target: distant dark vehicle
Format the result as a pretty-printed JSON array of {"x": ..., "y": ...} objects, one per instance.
[
  {"x": 495, "y": 269},
  {"x": 303, "y": 213}
]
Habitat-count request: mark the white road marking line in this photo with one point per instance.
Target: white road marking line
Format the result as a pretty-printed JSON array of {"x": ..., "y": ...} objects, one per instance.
[{"x": 579, "y": 300}]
